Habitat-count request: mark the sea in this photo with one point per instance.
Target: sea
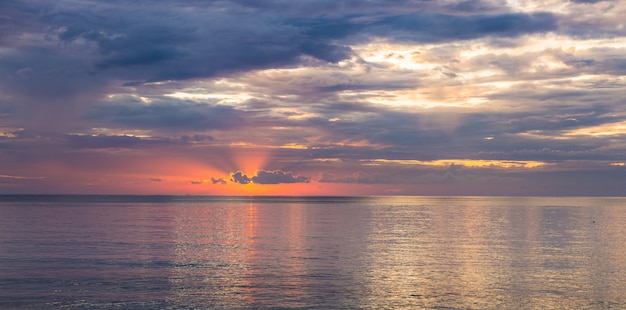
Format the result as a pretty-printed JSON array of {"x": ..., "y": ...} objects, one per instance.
[{"x": 192, "y": 252}]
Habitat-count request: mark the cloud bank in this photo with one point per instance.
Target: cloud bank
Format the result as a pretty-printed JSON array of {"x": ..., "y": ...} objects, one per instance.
[{"x": 268, "y": 177}]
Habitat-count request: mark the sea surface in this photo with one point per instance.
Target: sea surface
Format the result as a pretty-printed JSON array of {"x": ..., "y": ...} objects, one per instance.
[{"x": 187, "y": 252}]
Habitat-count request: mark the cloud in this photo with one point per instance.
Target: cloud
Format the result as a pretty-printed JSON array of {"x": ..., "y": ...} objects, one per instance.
[
  {"x": 218, "y": 180},
  {"x": 105, "y": 141},
  {"x": 239, "y": 177},
  {"x": 327, "y": 52},
  {"x": 268, "y": 177},
  {"x": 4, "y": 176},
  {"x": 277, "y": 177},
  {"x": 455, "y": 177},
  {"x": 183, "y": 43},
  {"x": 168, "y": 114},
  {"x": 196, "y": 138},
  {"x": 94, "y": 43},
  {"x": 426, "y": 27},
  {"x": 587, "y": 1},
  {"x": 431, "y": 27}
]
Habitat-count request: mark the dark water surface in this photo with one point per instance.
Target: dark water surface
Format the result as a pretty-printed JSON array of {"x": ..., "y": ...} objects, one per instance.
[{"x": 162, "y": 252}]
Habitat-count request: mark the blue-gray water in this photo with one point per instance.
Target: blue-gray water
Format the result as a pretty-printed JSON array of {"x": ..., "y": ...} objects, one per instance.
[{"x": 159, "y": 252}]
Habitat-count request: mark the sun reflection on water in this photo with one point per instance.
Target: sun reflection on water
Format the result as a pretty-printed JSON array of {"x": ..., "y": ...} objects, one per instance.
[{"x": 438, "y": 253}]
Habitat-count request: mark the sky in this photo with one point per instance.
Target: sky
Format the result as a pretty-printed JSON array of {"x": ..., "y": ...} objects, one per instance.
[{"x": 313, "y": 97}]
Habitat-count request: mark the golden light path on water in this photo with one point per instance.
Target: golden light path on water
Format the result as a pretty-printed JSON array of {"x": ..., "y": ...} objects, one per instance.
[{"x": 440, "y": 252}]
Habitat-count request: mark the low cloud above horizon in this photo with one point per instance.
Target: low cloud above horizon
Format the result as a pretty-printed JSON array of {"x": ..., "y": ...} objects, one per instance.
[
  {"x": 313, "y": 97},
  {"x": 268, "y": 177}
]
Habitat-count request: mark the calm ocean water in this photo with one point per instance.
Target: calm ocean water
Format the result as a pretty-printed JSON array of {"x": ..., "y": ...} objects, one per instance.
[{"x": 161, "y": 252}]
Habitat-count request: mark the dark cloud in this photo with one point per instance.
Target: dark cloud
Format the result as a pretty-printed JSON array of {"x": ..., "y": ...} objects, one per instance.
[
  {"x": 106, "y": 141},
  {"x": 432, "y": 27},
  {"x": 218, "y": 180},
  {"x": 587, "y": 1},
  {"x": 277, "y": 177},
  {"x": 370, "y": 177},
  {"x": 268, "y": 177},
  {"x": 535, "y": 134},
  {"x": 169, "y": 41},
  {"x": 436, "y": 28},
  {"x": 596, "y": 179},
  {"x": 63, "y": 57},
  {"x": 170, "y": 114},
  {"x": 471, "y": 6},
  {"x": 239, "y": 177},
  {"x": 196, "y": 138},
  {"x": 18, "y": 17},
  {"x": 327, "y": 52}
]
